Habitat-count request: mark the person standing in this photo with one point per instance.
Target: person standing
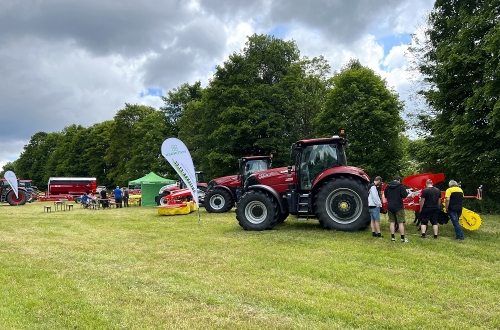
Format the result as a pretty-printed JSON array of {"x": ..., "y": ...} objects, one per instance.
[
  {"x": 394, "y": 193},
  {"x": 104, "y": 198},
  {"x": 118, "y": 196},
  {"x": 429, "y": 208},
  {"x": 374, "y": 205},
  {"x": 125, "y": 197},
  {"x": 454, "y": 196}
]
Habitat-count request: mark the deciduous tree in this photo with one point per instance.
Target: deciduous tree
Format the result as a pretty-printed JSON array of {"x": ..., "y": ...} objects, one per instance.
[
  {"x": 362, "y": 104},
  {"x": 460, "y": 62}
]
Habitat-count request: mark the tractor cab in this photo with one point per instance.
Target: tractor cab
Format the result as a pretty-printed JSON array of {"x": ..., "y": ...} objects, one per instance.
[
  {"x": 253, "y": 164},
  {"x": 315, "y": 156}
]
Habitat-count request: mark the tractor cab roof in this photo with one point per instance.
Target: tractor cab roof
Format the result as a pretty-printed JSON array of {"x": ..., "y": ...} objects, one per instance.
[
  {"x": 333, "y": 140},
  {"x": 247, "y": 158}
]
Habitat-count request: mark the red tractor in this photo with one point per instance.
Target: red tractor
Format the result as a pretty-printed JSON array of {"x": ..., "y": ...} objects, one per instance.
[
  {"x": 8, "y": 195},
  {"x": 320, "y": 185},
  {"x": 223, "y": 192}
]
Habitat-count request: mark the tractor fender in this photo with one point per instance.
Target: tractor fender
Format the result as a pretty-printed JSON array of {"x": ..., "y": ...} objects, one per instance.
[
  {"x": 224, "y": 188},
  {"x": 340, "y": 171},
  {"x": 273, "y": 192}
]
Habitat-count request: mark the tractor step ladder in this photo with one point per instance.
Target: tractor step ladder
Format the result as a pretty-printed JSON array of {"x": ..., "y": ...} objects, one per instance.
[{"x": 303, "y": 211}]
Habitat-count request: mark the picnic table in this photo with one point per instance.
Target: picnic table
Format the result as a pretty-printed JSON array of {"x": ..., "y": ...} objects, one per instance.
[{"x": 60, "y": 204}]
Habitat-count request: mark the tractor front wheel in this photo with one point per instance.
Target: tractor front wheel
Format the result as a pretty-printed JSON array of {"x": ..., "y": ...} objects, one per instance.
[
  {"x": 257, "y": 210},
  {"x": 218, "y": 201},
  {"x": 19, "y": 200},
  {"x": 342, "y": 204}
]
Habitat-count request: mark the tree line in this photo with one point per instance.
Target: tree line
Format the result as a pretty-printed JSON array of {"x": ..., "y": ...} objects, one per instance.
[
  {"x": 267, "y": 96},
  {"x": 258, "y": 102}
]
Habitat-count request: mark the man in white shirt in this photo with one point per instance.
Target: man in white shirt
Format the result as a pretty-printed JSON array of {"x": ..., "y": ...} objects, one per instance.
[{"x": 374, "y": 204}]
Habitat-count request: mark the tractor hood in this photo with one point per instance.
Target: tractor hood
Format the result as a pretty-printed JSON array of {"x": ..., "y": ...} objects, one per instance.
[
  {"x": 417, "y": 181},
  {"x": 228, "y": 181},
  {"x": 278, "y": 178}
]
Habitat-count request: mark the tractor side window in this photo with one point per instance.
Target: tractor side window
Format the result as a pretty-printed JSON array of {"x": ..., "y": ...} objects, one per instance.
[{"x": 316, "y": 159}]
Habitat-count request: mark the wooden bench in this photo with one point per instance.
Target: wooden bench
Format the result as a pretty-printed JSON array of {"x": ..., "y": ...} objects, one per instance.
[
  {"x": 69, "y": 207},
  {"x": 47, "y": 208}
]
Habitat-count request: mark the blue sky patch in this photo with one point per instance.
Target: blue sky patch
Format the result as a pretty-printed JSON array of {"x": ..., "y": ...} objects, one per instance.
[
  {"x": 393, "y": 40},
  {"x": 279, "y": 31},
  {"x": 151, "y": 92}
]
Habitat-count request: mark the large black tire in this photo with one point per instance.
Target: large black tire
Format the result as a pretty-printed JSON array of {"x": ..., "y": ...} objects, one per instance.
[
  {"x": 218, "y": 201},
  {"x": 19, "y": 200},
  {"x": 342, "y": 204},
  {"x": 443, "y": 217},
  {"x": 257, "y": 210},
  {"x": 283, "y": 215},
  {"x": 160, "y": 200}
]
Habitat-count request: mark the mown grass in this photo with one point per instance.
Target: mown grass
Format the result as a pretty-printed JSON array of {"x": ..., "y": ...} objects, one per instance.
[{"x": 133, "y": 269}]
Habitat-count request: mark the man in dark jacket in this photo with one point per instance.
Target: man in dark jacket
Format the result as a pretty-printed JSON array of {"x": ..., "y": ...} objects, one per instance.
[{"x": 394, "y": 193}]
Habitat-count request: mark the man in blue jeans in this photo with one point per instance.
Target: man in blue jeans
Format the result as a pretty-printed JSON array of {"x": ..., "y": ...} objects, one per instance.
[
  {"x": 118, "y": 196},
  {"x": 453, "y": 203},
  {"x": 374, "y": 205}
]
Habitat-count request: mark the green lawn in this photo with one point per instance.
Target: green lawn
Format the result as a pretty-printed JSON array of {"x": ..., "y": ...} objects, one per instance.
[{"x": 133, "y": 269}]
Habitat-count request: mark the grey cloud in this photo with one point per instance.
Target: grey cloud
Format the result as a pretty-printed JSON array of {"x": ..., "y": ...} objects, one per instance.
[
  {"x": 343, "y": 21},
  {"x": 101, "y": 27},
  {"x": 196, "y": 46}
]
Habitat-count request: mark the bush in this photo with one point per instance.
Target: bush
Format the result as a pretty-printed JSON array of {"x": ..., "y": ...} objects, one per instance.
[{"x": 484, "y": 206}]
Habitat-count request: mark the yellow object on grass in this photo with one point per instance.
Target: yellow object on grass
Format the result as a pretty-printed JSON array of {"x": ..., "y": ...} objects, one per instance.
[
  {"x": 469, "y": 220},
  {"x": 184, "y": 208}
]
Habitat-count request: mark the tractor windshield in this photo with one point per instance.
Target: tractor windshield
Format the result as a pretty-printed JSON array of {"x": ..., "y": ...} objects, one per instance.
[
  {"x": 254, "y": 166},
  {"x": 314, "y": 160}
]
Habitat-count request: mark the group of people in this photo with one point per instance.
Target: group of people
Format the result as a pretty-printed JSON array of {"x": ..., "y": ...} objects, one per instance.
[
  {"x": 120, "y": 196},
  {"x": 430, "y": 201}
]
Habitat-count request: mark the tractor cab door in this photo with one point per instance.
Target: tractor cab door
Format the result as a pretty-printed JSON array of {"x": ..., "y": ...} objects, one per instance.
[{"x": 313, "y": 160}]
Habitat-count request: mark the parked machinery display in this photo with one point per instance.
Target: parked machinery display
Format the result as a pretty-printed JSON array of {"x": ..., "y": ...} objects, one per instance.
[
  {"x": 222, "y": 193},
  {"x": 175, "y": 187},
  {"x": 416, "y": 183},
  {"x": 320, "y": 185},
  {"x": 70, "y": 188},
  {"x": 7, "y": 194}
]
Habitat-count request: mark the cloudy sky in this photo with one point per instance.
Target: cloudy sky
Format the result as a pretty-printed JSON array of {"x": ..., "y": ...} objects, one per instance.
[{"x": 66, "y": 62}]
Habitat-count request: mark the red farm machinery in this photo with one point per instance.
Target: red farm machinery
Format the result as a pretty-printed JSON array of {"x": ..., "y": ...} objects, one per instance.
[
  {"x": 179, "y": 191},
  {"x": 69, "y": 188},
  {"x": 416, "y": 183},
  {"x": 8, "y": 195},
  {"x": 320, "y": 185},
  {"x": 222, "y": 193}
]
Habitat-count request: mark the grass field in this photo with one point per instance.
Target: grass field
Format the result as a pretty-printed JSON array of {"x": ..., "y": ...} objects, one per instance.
[{"x": 133, "y": 269}]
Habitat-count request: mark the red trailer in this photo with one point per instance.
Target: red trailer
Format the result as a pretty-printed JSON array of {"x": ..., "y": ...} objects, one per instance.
[{"x": 70, "y": 188}]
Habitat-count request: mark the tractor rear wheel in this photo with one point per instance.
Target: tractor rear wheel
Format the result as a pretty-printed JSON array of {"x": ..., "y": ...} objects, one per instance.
[
  {"x": 342, "y": 204},
  {"x": 218, "y": 201},
  {"x": 257, "y": 210},
  {"x": 19, "y": 200}
]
